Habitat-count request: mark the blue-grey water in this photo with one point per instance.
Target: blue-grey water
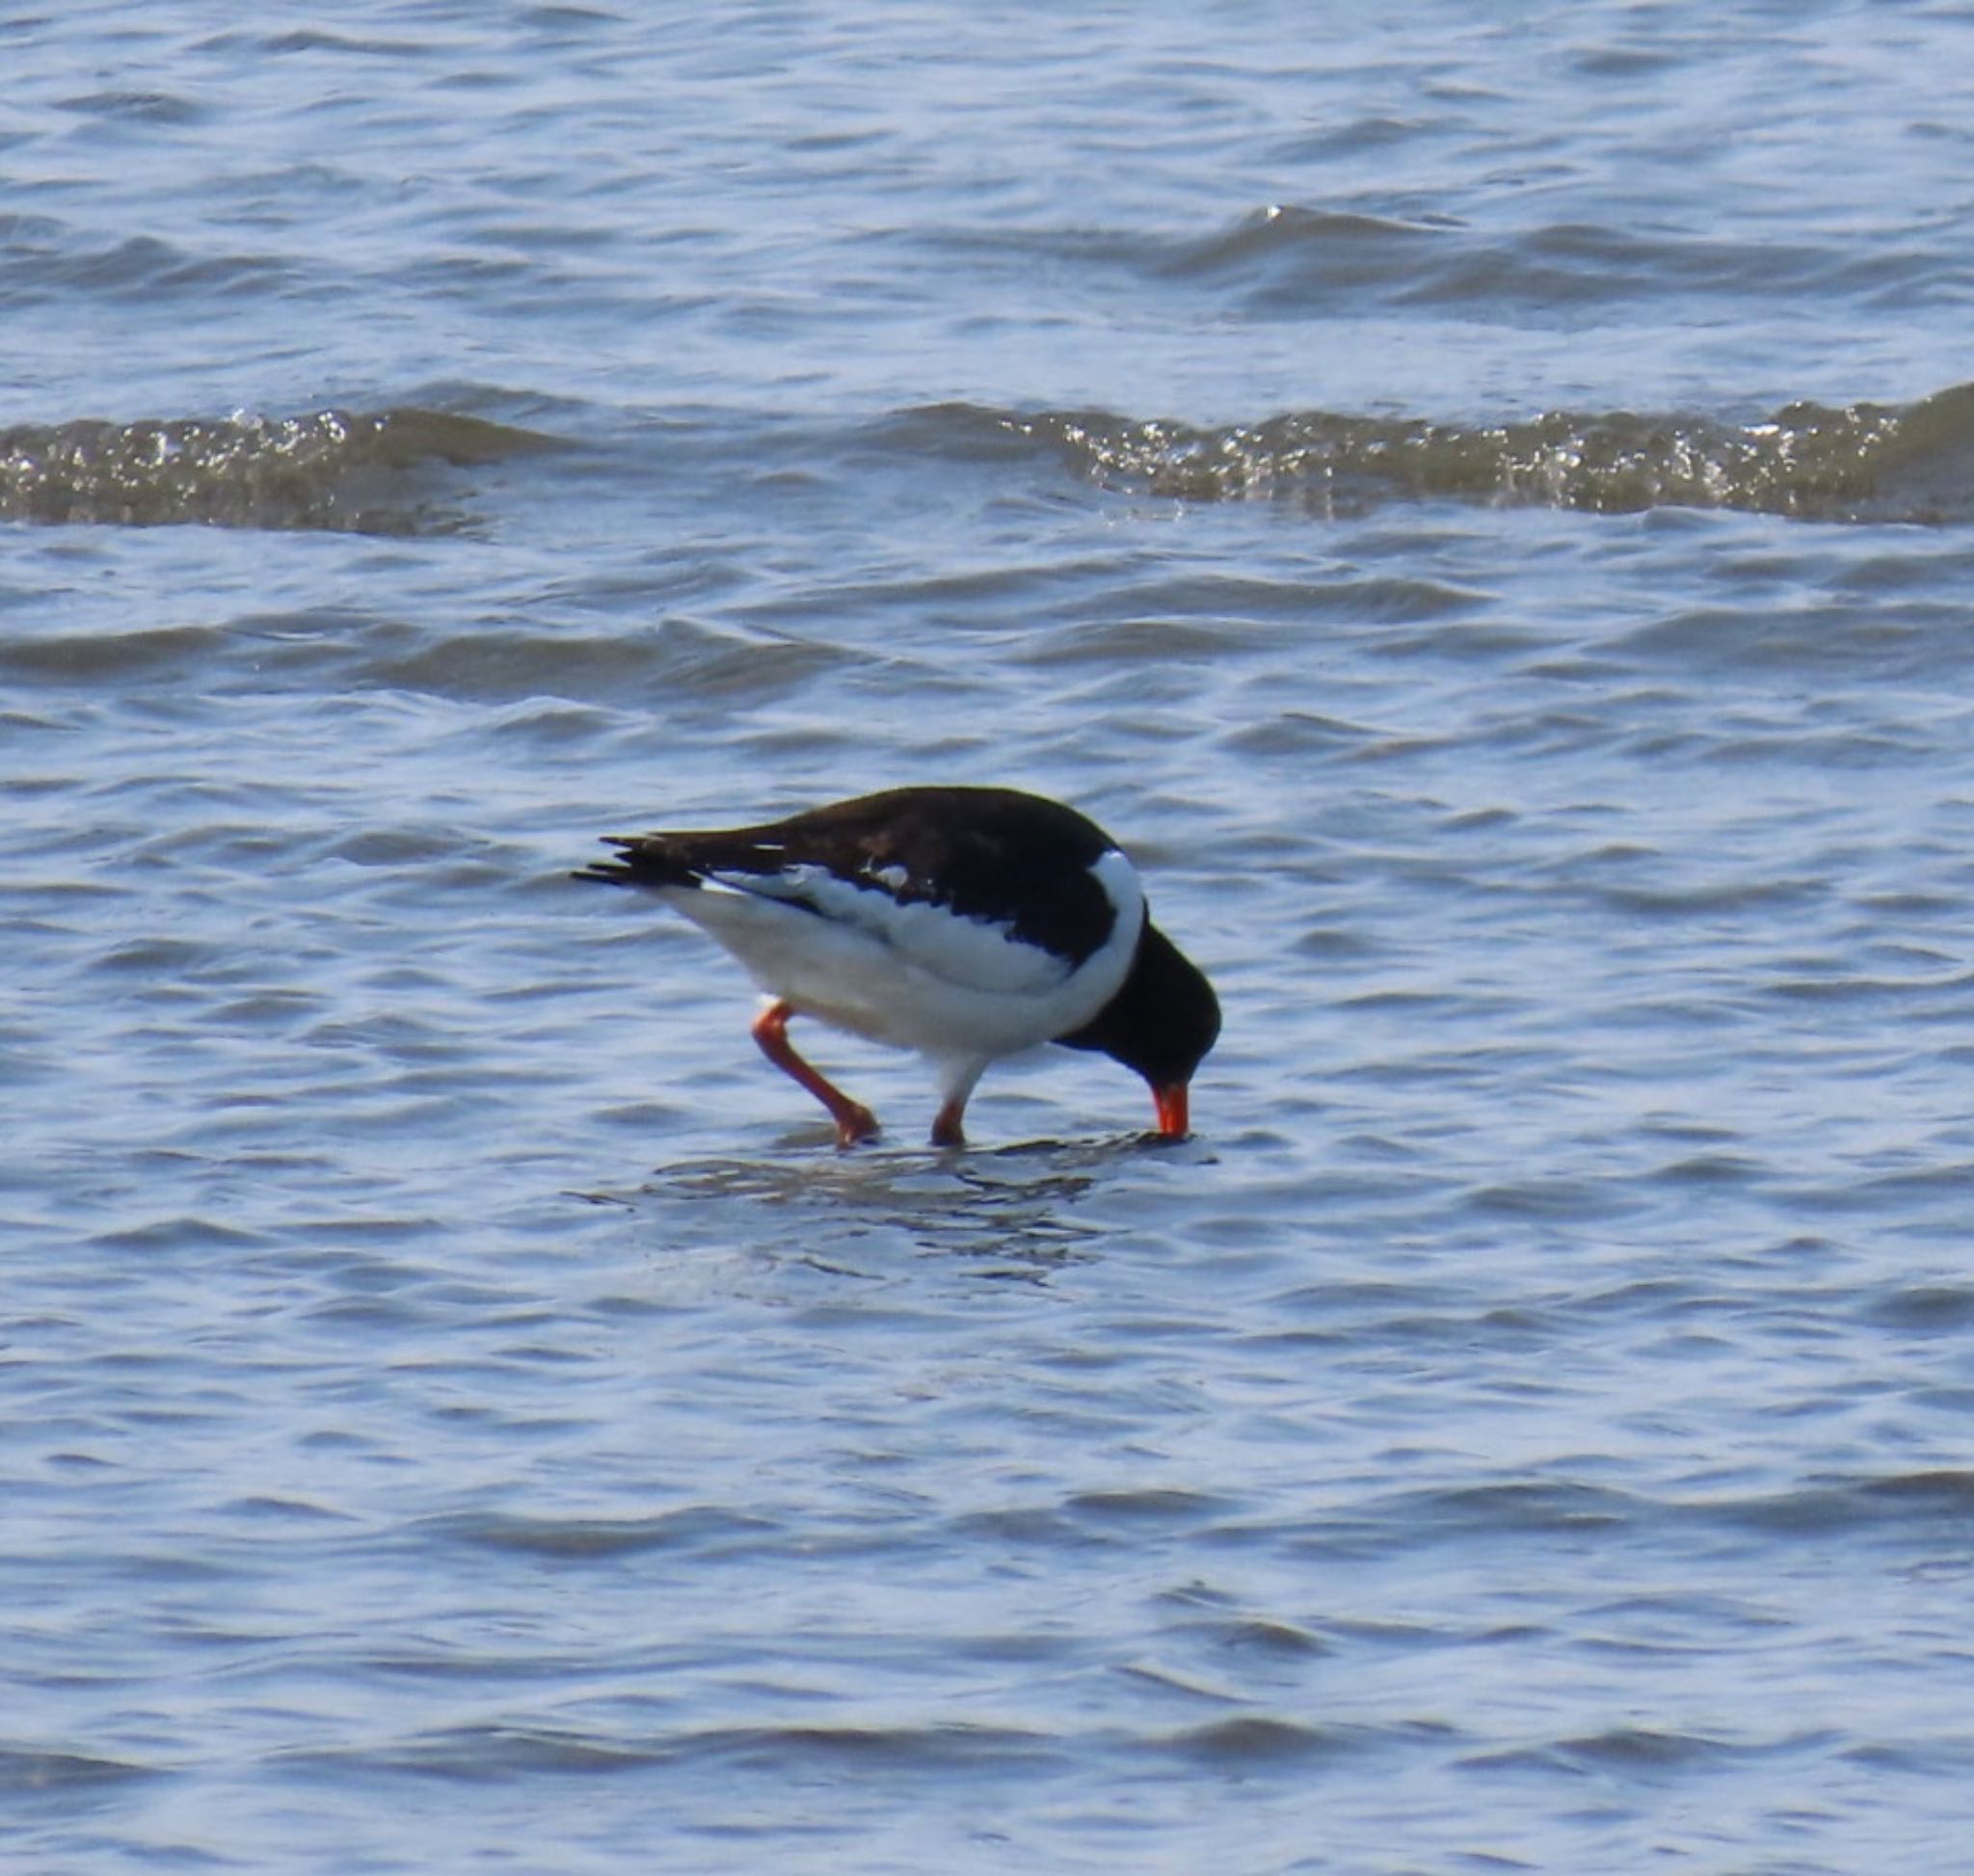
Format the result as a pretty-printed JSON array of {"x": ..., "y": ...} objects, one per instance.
[{"x": 1480, "y": 499}]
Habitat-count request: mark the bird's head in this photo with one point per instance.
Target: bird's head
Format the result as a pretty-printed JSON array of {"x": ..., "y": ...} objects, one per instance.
[{"x": 1161, "y": 1023}]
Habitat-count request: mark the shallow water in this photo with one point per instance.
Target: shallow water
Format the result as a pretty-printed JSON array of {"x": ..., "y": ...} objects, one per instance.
[{"x": 1477, "y": 504}]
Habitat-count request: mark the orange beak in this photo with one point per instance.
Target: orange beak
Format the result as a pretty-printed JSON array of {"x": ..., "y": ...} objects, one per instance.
[{"x": 1171, "y": 1103}]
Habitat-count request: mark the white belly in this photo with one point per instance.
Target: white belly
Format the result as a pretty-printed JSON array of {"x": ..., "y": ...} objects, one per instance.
[{"x": 946, "y": 987}]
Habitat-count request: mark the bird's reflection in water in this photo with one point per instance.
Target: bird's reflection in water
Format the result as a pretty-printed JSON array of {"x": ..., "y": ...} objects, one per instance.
[{"x": 1009, "y": 1209}]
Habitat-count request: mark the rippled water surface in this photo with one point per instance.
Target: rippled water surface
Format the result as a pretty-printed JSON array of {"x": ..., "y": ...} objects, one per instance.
[{"x": 1477, "y": 500}]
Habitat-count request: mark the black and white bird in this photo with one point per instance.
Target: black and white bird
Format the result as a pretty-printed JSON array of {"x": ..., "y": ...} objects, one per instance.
[{"x": 967, "y": 923}]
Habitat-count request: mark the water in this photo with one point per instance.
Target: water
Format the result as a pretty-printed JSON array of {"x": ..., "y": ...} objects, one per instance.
[{"x": 1477, "y": 501}]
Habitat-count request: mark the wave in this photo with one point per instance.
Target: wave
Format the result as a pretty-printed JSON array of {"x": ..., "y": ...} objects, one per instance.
[
  {"x": 1855, "y": 463},
  {"x": 373, "y": 472},
  {"x": 358, "y": 471},
  {"x": 1286, "y": 261}
]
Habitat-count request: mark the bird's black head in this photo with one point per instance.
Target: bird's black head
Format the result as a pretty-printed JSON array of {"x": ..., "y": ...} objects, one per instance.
[{"x": 1162, "y": 1021}]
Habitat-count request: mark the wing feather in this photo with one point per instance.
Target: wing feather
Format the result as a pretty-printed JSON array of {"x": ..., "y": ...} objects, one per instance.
[{"x": 980, "y": 955}]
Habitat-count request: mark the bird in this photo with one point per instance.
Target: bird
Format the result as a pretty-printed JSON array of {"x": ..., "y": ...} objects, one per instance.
[{"x": 967, "y": 923}]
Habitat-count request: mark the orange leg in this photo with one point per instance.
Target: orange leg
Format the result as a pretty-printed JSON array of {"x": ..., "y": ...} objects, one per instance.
[
  {"x": 854, "y": 1121},
  {"x": 947, "y": 1130}
]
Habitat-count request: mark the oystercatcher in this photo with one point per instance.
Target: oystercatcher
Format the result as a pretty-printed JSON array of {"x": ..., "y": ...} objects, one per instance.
[{"x": 964, "y": 923}]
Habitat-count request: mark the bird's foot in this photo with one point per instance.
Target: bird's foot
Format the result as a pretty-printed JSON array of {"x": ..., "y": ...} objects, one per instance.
[
  {"x": 855, "y": 1124},
  {"x": 947, "y": 1130}
]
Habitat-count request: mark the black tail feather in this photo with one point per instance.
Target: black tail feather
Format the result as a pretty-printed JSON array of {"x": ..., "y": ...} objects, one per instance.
[{"x": 639, "y": 861}]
